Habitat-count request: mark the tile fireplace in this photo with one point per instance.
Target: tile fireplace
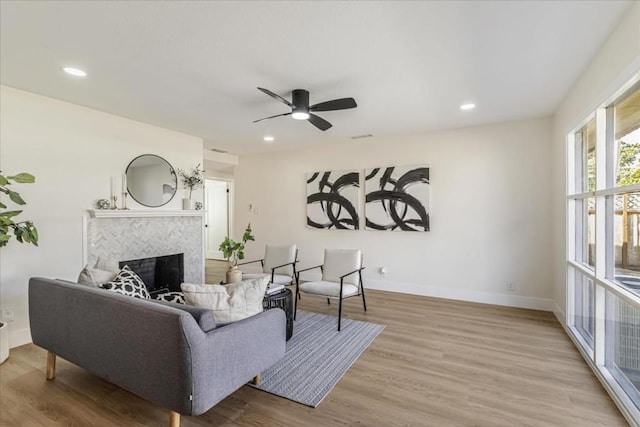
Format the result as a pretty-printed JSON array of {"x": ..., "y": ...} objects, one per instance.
[{"x": 139, "y": 234}]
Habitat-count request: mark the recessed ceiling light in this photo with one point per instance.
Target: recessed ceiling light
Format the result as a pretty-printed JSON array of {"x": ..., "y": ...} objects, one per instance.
[
  {"x": 268, "y": 138},
  {"x": 466, "y": 107},
  {"x": 76, "y": 72}
]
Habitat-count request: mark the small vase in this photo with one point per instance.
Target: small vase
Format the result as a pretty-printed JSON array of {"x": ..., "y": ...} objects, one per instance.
[
  {"x": 234, "y": 275},
  {"x": 188, "y": 204}
]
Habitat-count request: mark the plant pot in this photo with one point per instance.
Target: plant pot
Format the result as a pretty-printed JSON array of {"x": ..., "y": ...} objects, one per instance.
[
  {"x": 4, "y": 342},
  {"x": 188, "y": 204},
  {"x": 234, "y": 275}
]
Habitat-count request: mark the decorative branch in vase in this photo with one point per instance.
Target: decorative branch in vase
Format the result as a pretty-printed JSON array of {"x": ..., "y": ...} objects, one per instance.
[
  {"x": 191, "y": 181},
  {"x": 234, "y": 251}
]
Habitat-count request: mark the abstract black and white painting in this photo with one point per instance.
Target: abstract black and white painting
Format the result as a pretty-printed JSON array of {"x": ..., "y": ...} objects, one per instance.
[
  {"x": 397, "y": 198},
  {"x": 332, "y": 200}
]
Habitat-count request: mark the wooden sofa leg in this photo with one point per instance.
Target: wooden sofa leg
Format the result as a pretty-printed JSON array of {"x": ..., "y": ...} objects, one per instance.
[
  {"x": 51, "y": 365},
  {"x": 174, "y": 419},
  {"x": 256, "y": 380}
]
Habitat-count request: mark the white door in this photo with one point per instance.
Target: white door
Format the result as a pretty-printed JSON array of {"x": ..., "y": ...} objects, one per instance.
[{"x": 217, "y": 217}]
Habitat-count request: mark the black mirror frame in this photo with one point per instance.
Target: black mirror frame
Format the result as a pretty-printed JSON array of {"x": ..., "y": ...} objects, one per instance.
[{"x": 172, "y": 171}]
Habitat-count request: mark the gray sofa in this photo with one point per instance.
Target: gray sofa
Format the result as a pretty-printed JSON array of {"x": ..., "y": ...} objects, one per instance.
[{"x": 170, "y": 354}]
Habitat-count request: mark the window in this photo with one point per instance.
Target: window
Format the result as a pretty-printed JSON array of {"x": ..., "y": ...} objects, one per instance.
[
  {"x": 584, "y": 310},
  {"x": 622, "y": 352},
  {"x": 626, "y": 240},
  {"x": 627, "y": 140},
  {"x": 603, "y": 265}
]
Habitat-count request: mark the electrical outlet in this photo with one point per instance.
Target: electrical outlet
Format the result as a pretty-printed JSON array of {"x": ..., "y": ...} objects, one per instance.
[
  {"x": 8, "y": 315},
  {"x": 511, "y": 286},
  {"x": 383, "y": 272}
]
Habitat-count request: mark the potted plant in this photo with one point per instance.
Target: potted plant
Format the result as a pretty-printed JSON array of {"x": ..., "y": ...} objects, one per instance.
[
  {"x": 191, "y": 181},
  {"x": 24, "y": 231},
  {"x": 234, "y": 251}
]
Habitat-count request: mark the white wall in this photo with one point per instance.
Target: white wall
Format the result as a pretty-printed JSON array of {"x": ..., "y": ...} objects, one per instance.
[
  {"x": 489, "y": 219},
  {"x": 617, "y": 61},
  {"x": 73, "y": 151}
]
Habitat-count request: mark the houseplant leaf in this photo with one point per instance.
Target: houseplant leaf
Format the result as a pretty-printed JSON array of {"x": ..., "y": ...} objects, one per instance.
[{"x": 23, "y": 178}]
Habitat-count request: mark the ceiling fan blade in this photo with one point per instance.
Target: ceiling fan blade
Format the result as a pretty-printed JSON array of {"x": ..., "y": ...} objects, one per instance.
[
  {"x": 275, "y": 96},
  {"x": 336, "y": 104},
  {"x": 271, "y": 117},
  {"x": 319, "y": 122}
]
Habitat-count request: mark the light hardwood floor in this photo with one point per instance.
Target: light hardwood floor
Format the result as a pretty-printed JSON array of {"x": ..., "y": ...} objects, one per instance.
[{"x": 437, "y": 363}]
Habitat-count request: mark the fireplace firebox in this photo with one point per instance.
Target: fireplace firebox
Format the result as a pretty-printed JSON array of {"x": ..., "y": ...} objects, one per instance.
[{"x": 159, "y": 274}]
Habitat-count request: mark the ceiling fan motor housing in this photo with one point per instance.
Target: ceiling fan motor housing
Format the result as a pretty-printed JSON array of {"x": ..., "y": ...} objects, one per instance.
[{"x": 300, "y": 100}]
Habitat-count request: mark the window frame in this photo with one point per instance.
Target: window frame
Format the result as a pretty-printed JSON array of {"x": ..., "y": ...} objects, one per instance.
[{"x": 603, "y": 272}]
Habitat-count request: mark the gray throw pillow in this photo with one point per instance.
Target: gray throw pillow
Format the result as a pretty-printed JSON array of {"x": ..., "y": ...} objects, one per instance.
[{"x": 95, "y": 277}]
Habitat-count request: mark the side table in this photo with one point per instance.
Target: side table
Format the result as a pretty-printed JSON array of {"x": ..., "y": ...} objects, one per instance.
[{"x": 284, "y": 301}]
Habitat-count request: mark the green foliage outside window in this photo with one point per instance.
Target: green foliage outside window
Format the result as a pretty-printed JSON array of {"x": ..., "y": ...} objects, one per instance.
[{"x": 628, "y": 163}]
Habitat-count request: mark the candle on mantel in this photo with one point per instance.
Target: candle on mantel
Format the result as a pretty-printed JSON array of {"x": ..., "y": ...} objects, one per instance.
[
  {"x": 113, "y": 188},
  {"x": 124, "y": 183}
]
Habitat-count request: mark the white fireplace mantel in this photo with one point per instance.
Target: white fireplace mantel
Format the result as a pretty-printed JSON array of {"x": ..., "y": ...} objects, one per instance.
[{"x": 138, "y": 213}]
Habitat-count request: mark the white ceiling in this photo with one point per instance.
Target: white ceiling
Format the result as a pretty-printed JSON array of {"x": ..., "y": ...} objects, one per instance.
[{"x": 194, "y": 66}]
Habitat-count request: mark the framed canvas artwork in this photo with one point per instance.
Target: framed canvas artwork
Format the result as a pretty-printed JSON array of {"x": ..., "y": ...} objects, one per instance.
[
  {"x": 333, "y": 200},
  {"x": 397, "y": 198}
]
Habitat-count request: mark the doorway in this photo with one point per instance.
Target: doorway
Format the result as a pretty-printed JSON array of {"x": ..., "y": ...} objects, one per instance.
[{"x": 217, "y": 199}]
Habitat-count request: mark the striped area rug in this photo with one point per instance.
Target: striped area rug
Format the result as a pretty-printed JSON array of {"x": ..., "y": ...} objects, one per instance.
[{"x": 317, "y": 357}]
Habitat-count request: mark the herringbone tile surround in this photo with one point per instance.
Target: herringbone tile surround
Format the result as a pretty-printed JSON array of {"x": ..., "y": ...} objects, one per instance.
[{"x": 133, "y": 238}]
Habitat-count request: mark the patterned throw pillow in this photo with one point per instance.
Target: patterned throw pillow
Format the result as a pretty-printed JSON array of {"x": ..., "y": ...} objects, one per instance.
[
  {"x": 177, "y": 297},
  {"x": 127, "y": 283}
]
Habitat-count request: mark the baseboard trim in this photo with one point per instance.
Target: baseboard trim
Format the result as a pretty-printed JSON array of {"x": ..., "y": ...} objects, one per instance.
[
  {"x": 560, "y": 314},
  {"x": 19, "y": 337},
  {"x": 509, "y": 300}
]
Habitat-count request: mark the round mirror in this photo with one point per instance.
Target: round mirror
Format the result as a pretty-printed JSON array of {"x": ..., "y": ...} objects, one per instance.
[{"x": 151, "y": 180}]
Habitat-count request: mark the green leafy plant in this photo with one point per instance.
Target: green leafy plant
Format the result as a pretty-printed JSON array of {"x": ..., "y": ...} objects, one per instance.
[
  {"x": 192, "y": 181},
  {"x": 235, "y": 250},
  {"x": 24, "y": 231}
]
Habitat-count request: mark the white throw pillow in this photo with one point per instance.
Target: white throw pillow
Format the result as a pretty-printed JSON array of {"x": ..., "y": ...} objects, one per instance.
[
  {"x": 229, "y": 303},
  {"x": 95, "y": 276}
]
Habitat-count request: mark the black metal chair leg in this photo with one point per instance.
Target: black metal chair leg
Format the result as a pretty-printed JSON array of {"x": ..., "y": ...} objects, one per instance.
[
  {"x": 295, "y": 301},
  {"x": 296, "y": 276},
  {"x": 328, "y": 301},
  {"x": 340, "y": 306},
  {"x": 364, "y": 302},
  {"x": 339, "y": 313}
]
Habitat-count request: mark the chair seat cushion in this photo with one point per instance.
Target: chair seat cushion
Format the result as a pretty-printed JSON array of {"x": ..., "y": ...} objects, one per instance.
[
  {"x": 278, "y": 279},
  {"x": 330, "y": 289}
]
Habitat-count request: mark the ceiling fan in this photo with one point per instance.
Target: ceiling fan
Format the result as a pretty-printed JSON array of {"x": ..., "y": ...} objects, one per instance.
[{"x": 301, "y": 110}]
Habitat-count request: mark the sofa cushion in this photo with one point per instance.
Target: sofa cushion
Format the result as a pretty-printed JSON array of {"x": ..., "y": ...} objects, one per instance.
[
  {"x": 127, "y": 283},
  {"x": 229, "y": 303},
  {"x": 95, "y": 277}
]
